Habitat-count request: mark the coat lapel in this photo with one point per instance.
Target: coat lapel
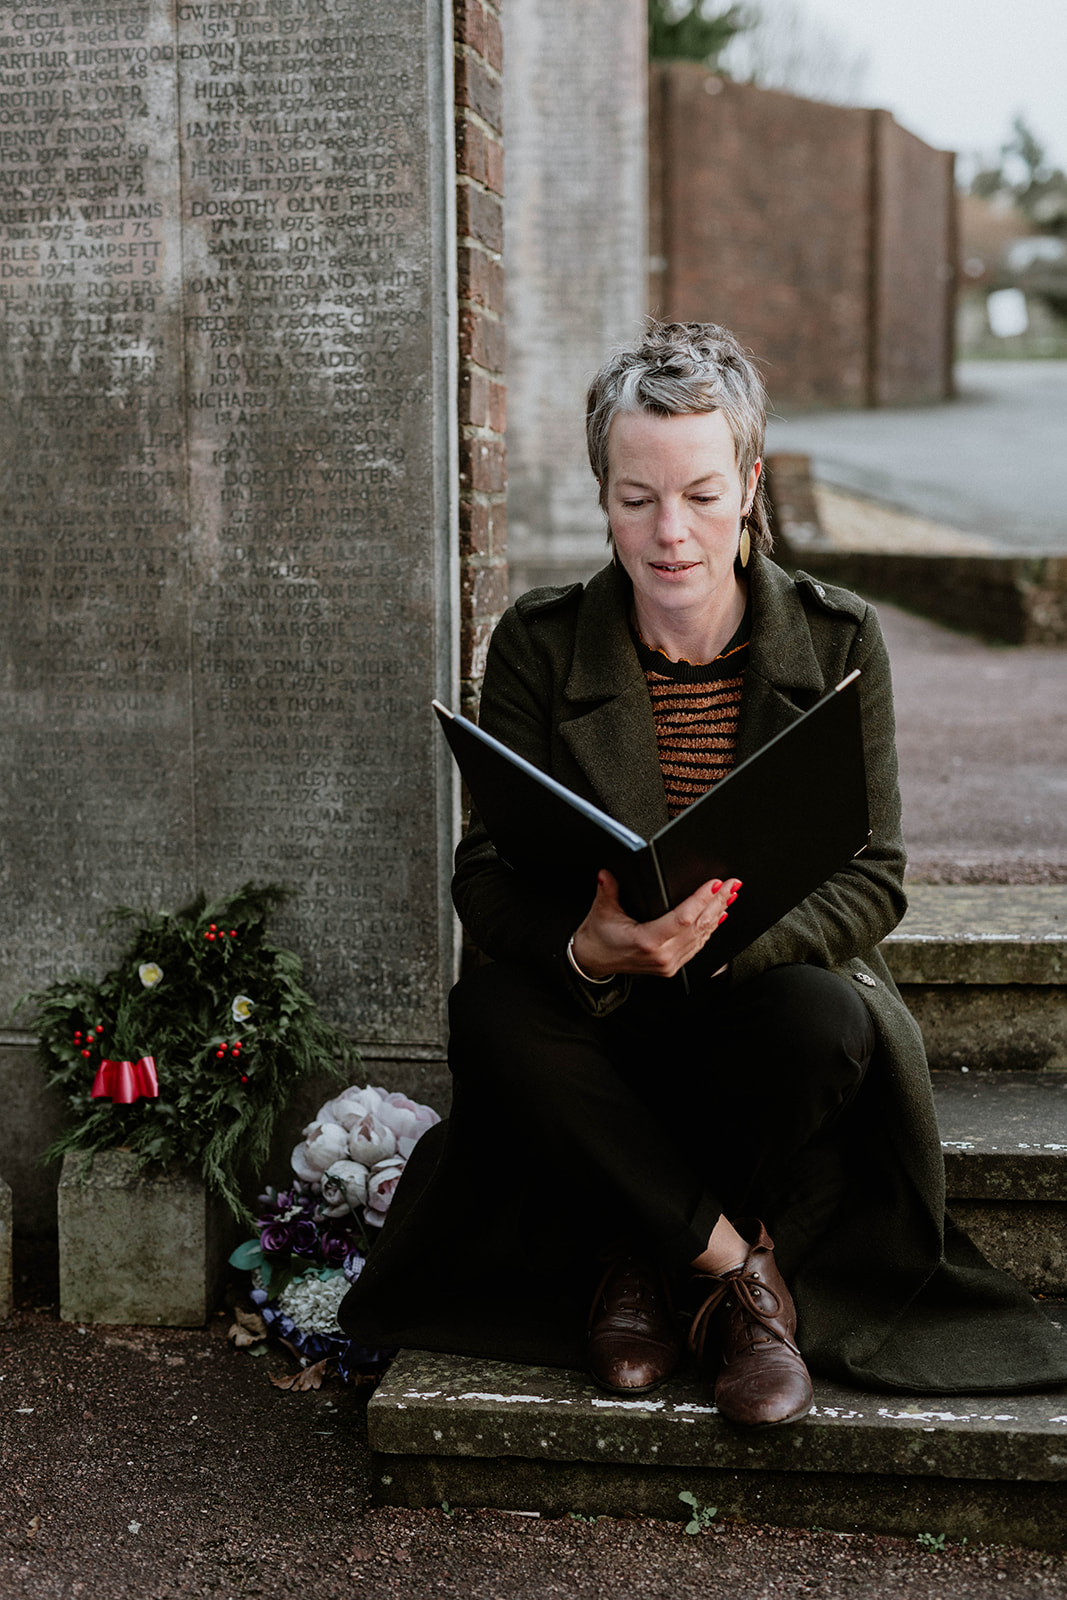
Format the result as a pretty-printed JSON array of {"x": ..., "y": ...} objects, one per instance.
[
  {"x": 610, "y": 732},
  {"x": 783, "y": 677}
]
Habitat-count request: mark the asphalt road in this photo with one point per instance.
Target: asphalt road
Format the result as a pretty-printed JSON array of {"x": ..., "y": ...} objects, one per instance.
[{"x": 993, "y": 461}]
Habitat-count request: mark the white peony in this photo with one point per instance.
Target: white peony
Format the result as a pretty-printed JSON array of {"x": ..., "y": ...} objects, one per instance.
[
  {"x": 370, "y": 1141},
  {"x": 344, "y": 1187},
  {"x": 322, "y": 1145}
]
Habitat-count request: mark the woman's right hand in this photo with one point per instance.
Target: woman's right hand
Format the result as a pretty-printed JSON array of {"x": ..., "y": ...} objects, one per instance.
[{"x": 608, "y": 941}]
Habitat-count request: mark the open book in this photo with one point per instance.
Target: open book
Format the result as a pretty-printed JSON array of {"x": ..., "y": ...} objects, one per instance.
[{"x": 783, "y": 821}]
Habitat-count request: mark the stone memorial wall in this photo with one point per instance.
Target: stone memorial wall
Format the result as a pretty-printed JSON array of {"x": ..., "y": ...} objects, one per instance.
[
  {"x": 575, "y": 252},
  {"x": 227, "y": 478}
]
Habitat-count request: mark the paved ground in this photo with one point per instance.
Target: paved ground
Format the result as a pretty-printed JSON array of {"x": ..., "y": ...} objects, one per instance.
[
  {"x": 982, "y": 737},
  {"x": 143, "y": 1464},
  {"x": 994, "y": 461}
]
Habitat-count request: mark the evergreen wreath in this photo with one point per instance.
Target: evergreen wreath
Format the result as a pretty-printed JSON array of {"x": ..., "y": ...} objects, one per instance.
[{"x": 201, "y": 998}]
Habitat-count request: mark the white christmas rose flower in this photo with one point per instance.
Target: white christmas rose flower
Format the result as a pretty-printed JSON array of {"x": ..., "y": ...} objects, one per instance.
[
  {"x": 323, "y": 1144},
  {"x": 344, "y": 1187},
  {"x": 381, "y": 1188},
  {"x": 242, "y": 1008},
  {"x": 149, "y": 974},
  {"x": 371, "y": 1141}
]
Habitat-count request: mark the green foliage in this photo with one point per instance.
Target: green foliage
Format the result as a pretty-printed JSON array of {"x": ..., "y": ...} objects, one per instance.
[
  {"x": 688, "y": 32},
  {"x": 931, "y": 1541},
  {"x": 703, "y": 1516},
  {"x": 222, "y": 1079},
  {"x": 1038, "y": 189}
]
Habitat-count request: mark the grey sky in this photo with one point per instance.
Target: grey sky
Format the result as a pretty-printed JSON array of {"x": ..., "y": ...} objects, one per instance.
[{"x": 956, "y": 71}]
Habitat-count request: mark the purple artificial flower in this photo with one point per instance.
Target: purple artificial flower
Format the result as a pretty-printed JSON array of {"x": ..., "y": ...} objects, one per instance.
[
  {"x": 305, "y": 1239},
  {"x": 276, "y": 1238},
  {"x": 334, "y": 1246},
  {"x": 353, "y": 1265}
]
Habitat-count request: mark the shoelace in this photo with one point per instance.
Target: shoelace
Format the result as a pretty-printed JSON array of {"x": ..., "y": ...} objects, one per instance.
[{"x": 745, "y": 1286}]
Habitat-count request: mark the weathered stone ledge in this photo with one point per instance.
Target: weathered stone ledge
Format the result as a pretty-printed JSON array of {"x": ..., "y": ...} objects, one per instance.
[
  {"x": 479, "y": 1432},
  {"x": 981, "y": 934}
]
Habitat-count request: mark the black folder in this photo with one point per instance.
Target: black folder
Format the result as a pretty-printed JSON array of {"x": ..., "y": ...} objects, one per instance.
[{"x": 783, "y": 821}]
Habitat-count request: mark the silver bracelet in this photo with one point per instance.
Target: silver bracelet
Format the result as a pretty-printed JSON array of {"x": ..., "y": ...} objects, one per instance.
[{"x": 584, "y": 975}]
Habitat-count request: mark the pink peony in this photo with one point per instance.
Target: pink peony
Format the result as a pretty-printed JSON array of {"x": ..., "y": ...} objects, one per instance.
[
  {"x": 381, "y": 1188},
  {"x": 408, "y": 1120}
]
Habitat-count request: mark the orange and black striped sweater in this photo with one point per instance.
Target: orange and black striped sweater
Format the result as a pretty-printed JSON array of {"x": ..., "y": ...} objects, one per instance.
[{"x": 695, "y": 709}]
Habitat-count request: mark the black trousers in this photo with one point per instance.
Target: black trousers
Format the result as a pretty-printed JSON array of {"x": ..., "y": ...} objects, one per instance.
[{"x": 640, "y": 1128}]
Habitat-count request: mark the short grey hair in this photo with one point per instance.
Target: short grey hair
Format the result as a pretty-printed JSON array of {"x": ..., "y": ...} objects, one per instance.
[{"x": 676, "y": 369}]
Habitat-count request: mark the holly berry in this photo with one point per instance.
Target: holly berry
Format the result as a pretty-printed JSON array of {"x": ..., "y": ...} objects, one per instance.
[
  {"x": 100, "y": 1027},
  {"x": 244, "y": 1077},
  {"x": 87, "y": 1052}
]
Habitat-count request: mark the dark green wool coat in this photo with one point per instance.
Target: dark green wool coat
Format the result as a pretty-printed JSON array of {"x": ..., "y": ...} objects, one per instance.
[{"x": 889, "y": 1294}]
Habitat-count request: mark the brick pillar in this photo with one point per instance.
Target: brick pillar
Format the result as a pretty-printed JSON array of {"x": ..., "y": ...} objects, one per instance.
[{"x": 480, "y": 243}]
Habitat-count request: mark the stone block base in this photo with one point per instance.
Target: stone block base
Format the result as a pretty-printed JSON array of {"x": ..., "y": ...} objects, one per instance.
[{"x": 135, "y": 1248}]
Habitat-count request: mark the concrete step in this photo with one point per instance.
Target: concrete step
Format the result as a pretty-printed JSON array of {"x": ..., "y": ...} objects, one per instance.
[
  {"x": 982, "y": 968},
  {"x": 467, "y": 1431},
  {"x": 1004, "y": 1135}
]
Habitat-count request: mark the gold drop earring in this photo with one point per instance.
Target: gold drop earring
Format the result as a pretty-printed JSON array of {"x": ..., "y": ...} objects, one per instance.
[{"x": 744, "y": 547}]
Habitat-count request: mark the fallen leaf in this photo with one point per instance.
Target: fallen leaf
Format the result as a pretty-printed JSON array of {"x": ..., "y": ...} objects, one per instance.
[
  {"x": 31, "y": 1530},
  {"x": 249, "y": 1328},
  {"x": 310, "y": 1378}
]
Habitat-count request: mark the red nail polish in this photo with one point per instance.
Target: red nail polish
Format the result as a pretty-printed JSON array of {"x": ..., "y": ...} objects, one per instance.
[{"x": 723, "y": 917}]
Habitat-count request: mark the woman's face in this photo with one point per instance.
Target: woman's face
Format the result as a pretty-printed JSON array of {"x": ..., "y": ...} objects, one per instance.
[{"x": 675, "y": 501}]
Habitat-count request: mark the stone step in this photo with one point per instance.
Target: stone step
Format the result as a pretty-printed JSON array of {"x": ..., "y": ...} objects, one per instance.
[
  {"x": 1004, "y": 1135},
  {"x": 467, "y": 1431},
  {"x": 982, "y": 967}
]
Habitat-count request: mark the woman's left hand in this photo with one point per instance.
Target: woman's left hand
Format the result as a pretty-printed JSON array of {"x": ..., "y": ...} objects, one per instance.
[{"x": 609, "y": 941}]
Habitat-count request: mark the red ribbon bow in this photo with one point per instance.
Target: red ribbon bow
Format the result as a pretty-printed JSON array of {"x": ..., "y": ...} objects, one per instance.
[{"x": 123, "y": 1082}]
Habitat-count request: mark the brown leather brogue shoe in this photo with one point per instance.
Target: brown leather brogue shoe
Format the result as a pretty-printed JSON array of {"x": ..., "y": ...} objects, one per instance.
[
  {"x": 633, "y": 1338},
  {"x": 745, "y": 1334}
]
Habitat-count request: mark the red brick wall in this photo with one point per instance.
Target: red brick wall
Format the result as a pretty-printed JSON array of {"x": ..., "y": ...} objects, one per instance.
[
  {"x": 811, "y": 230},
  {"x": 480, "y": 231},
  {"x": 915, "y": 266}
]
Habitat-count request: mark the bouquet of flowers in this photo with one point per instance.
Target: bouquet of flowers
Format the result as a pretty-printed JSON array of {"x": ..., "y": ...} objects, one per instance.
[
  {"x": 188, "y": 1049},
  {"x": 312, "y": 1238}
]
